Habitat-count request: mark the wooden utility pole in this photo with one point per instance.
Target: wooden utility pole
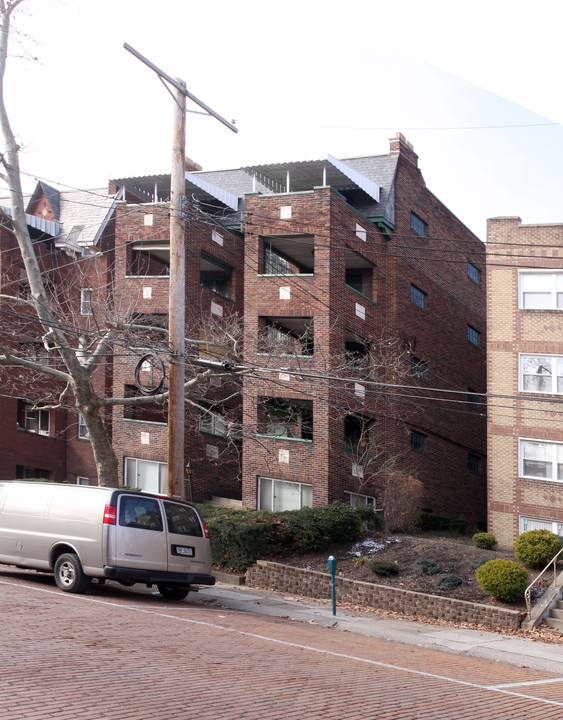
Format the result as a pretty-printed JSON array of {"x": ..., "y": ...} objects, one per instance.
[{"x": 177, "y": 289}]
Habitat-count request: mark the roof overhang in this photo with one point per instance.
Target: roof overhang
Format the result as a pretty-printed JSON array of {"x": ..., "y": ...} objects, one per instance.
[{"x": 50, "y": 227}]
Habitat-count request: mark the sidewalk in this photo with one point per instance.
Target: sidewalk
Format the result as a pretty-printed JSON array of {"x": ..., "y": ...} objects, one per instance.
[{"x": 475, "y": 643}]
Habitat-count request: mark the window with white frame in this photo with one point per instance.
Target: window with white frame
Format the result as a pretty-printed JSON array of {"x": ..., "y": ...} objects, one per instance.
[
  {"x": 86, "y": 301},
  {"x": 34, "y": 421},
  {"x": 529, "y": 523},
  {"x": 81, "y": 480},
  {"x": 540, "y": 290},
  {"x": 541, "y": 460},
  {"x": 474, "y": 273},
  {"x": 356, "y": 499},
  {"x": 279, "y": 495},
  {"x": 82, "y": 429},
  {"x": 148, "y": 475},
  {"x": 541, "y": 374},
  {"x": 212, "y": 422},
  {"x": 474, "y": 336}
]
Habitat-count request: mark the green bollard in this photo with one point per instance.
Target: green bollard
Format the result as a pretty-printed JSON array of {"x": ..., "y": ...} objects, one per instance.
[{"x": 332, "y": 568}]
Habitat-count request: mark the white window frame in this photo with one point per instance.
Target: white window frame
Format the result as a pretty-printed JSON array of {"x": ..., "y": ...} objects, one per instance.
[
  {"x": 552, "y": 453},
  {"x": 355, "y": 499},
  {"x": 540, "y": 289},
  {"x": 82, "y": 429},
  {"x": 526, "y": 523},
  {"x": 270, "y": 491},
  {"x": 81, "y": 480},
  {"x": 37, "y": 421},
  {"x": 86, "y": 301},
  {"x": 549, "y": 369},
  {"x": 131, "y": 474}
]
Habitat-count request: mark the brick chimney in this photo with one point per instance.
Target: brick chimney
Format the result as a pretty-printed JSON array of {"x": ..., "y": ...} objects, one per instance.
[{"x": 399, "y": 145}]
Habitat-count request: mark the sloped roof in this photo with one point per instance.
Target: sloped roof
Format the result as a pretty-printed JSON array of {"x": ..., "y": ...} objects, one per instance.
[{"x": 84, "y": 215}]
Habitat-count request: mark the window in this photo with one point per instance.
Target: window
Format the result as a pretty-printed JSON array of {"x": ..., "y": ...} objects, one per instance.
[
  {"x": 418, "y": 225},
  {"x": 279, "y": 495},
  {"x": 82, "y": 429},
  {"x": 286, "y": 418},
  {"x": 474, "y": 273},
  {"x": 354, "y": 280},
  {"x": 355, "y": 499},
  {"x": 182, "y": 520},
  {"x": 212, "y": 422},
  {"x": 419, "y": 368},
  {"x": 419, "y": 442},
  {"x": 153, "y": 412},
  {"x": 34, "y": 421},
  {"x": 528, "y": 523},
  {"x": 357, "y": 431},
  {"x": 474, "y": 463},
  {"x": 541, "y": 374},
  {"x": 139, "y": 512},
  {"x": 86, "y": 301},
  {"x": 215, "y": 275},
  {"x": 540, "y": 290},
  {"x": 275, "y": 264},
  {"x": 29, "y": 473},
  {"x": 147, "y": 475},
  {"x": 418, "y": 297},
  {"x": 541, "y": 460},
  {"x": 286, "y": 336},
  {"x": 474, "y": 336},
  {"x": 357, "y": 352},
  {"x": 80, "y": 480}
]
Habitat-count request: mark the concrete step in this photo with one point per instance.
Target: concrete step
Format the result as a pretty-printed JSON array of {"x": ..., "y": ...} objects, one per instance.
[
  {"x": 555, "y": 624},
  {"x": 556, "y": 613}
]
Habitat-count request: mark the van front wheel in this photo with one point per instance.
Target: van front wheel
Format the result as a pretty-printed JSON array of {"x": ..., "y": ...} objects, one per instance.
[
  {"x": 173, "y": 593},
  {"x": 69, "y": 575}
]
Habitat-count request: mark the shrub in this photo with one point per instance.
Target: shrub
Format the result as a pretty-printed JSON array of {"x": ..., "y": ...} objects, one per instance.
[
  {"x": 430, "y": 522},
  {"x": 537, "y": 547},
  {"x": 478, "y": 562},
  {"x": 447, "y": 581},
  {"x": 485, "y": 541},
  {"x": 502, "y": 579},
  {"x": 384, "y": 568},
  {"x": 426, "y": 566},
  {"x": 403, "y": 496},
  {"x": 240, "y": 537},
  {"x": 460, "y": 525}
]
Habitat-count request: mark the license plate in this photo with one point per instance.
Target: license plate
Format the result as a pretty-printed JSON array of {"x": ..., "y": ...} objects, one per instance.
[{"x": 183, "y": 550}]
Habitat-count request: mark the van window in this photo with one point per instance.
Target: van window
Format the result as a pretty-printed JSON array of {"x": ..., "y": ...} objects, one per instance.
[
  {"x": 182, "y": 520},
  {"x": 140, "y": 512}
]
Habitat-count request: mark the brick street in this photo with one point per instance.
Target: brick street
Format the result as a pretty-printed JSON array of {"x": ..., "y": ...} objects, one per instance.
[{"x": 124, "y": 654}]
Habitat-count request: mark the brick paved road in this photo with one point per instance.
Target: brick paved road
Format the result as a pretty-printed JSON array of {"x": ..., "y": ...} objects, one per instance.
[{"x": 130, "y": 655}]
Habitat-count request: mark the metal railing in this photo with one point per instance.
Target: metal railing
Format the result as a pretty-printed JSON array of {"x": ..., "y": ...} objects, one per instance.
[{"x": 528, "y": 591}]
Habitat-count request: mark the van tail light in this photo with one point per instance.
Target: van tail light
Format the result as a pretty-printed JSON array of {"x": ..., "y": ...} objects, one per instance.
[
  {"x": 110, "y": 515},
  {"x": 205, "y": 530}
]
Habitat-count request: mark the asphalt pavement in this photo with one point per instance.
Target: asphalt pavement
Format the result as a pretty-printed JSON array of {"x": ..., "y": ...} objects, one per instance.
[{"x": 494, "y": 646}]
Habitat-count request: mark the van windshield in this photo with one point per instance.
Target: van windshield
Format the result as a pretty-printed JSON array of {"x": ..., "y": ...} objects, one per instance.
[{"x": 182, "y": 520}]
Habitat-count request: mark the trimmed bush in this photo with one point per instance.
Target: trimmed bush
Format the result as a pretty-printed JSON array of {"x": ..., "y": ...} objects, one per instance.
[
  {"x": 430, "y": 522},
  {"x": 426, "y": 566},
  {"x": 537, "y": 547},
  {"x": 447, "y": 581},
  {"x": 240, "y": 537},
  {"x": 478, "y": 562},
  {"x": 384, "y": 568},
  {"x": 485, "y": 541},
  {"x": 503, "y": 579},
  {"x": 460, "y": 525}
]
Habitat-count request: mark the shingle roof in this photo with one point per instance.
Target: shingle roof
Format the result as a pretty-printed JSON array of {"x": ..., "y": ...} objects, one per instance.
[{"x": 84, "y": 215}]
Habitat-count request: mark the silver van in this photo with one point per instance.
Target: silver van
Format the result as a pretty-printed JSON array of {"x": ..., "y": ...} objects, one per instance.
[{"x": 81, "y": 532}]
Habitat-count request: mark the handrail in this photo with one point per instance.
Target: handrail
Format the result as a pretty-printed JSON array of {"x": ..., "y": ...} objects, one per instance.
[{"x": 528, "y": 591}]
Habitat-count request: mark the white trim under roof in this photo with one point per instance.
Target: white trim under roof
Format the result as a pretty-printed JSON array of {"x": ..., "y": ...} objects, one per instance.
[
  {"x": 47, "y": 226},
  {"x": 368, "y": 186},
  {"x": 227, "y": 198}
]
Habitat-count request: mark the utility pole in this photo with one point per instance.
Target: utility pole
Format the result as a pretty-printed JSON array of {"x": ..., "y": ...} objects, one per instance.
[{"x": 177, "y": 288}]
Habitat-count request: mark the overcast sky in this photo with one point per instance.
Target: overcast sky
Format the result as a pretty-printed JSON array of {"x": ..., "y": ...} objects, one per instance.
[{"x": 474, "y": 87}]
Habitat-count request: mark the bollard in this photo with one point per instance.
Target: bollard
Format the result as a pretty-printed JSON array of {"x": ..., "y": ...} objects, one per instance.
[{"x": 332, "y": 568}]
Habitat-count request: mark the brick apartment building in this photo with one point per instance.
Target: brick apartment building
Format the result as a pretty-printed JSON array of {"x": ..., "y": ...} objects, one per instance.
[
  {"x": 525, "y": 366},
  {"x": 359, "y": 300}
]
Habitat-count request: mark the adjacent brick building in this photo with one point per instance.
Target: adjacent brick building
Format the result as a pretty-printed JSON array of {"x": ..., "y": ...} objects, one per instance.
[
  {"x": 525, "y": 371},
  {"x": 358, "y": 299}
]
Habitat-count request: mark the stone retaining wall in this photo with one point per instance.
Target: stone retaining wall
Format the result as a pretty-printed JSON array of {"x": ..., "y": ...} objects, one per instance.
[{"x": 296, "y": 581}]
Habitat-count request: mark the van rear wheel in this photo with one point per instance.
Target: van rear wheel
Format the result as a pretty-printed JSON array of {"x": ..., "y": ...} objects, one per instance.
[
  {"x": 69, "y": 575},
  {"x": 173, "y": 593}
]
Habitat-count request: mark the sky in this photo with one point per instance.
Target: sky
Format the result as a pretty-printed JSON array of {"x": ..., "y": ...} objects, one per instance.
[{"x": 474, "y": 87}]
